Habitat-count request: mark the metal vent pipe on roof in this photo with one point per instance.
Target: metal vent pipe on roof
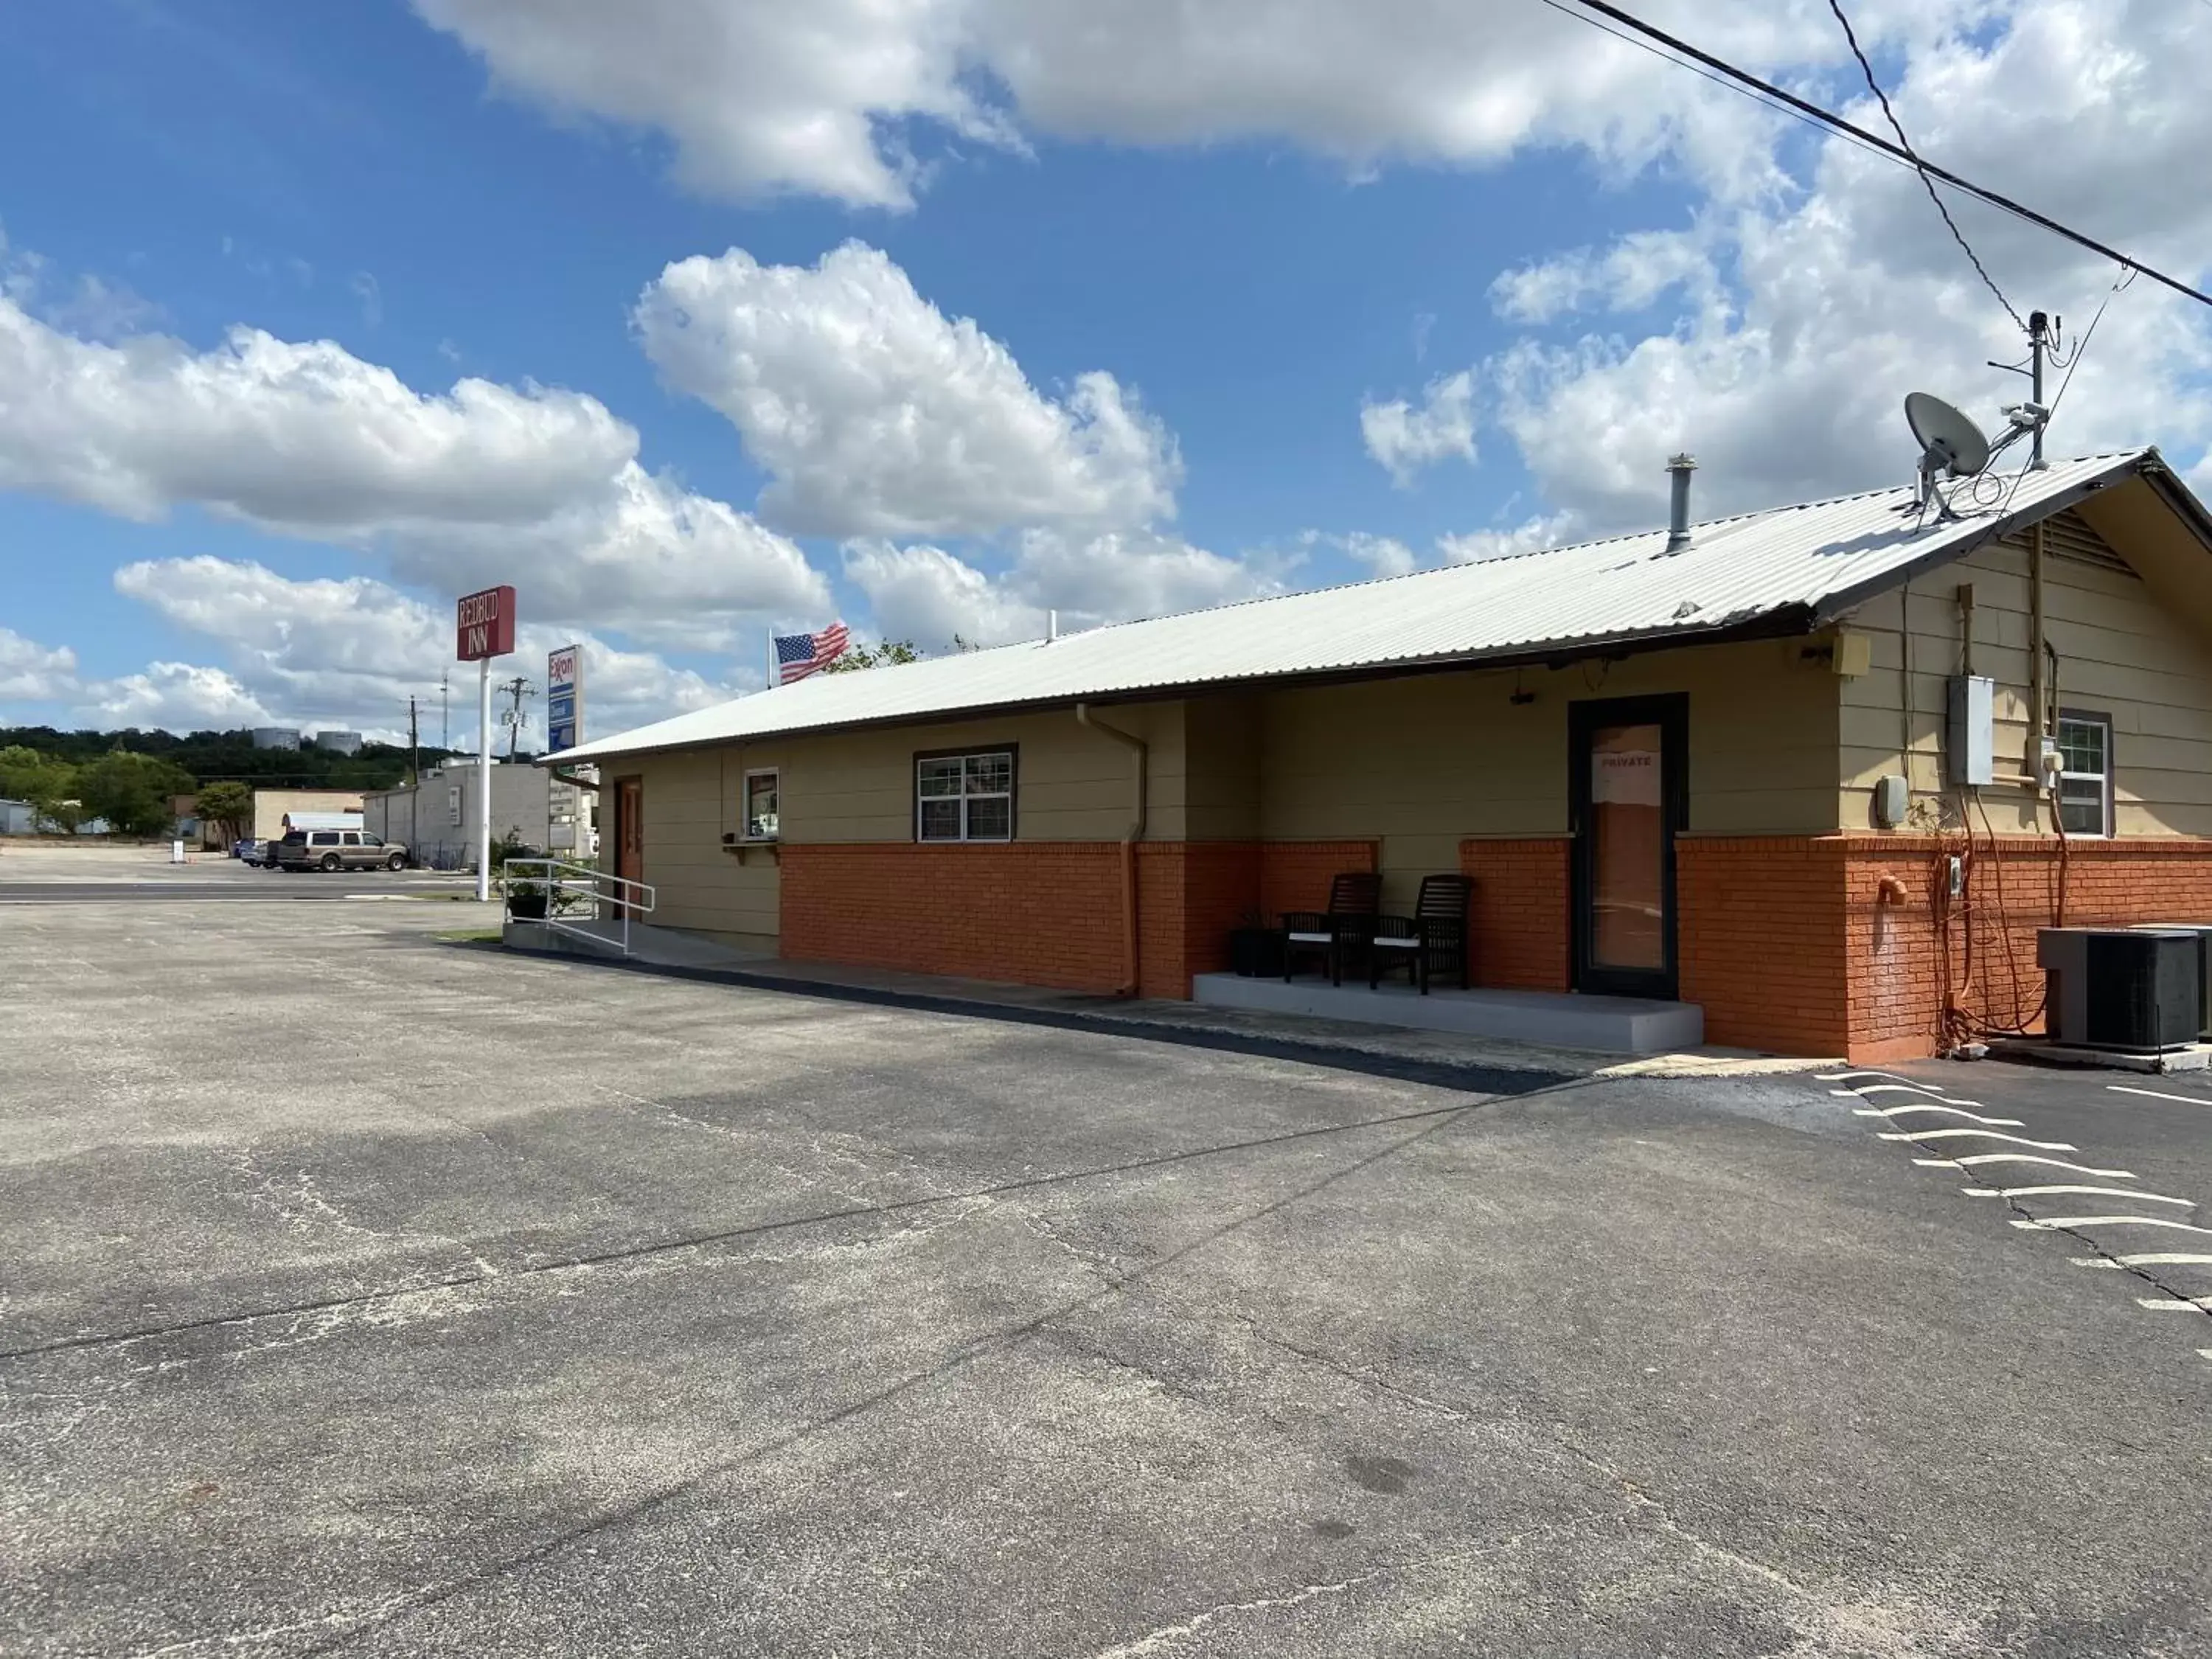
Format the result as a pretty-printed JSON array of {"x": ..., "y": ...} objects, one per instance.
[{"x": 1678, "y": 514}]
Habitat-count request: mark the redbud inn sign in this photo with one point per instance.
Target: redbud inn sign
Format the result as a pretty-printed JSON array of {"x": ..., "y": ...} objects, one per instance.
[{"x": 487, "y": 625}]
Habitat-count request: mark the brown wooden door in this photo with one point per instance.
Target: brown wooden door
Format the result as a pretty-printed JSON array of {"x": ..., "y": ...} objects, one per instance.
[{"x": 629, "y": 828}]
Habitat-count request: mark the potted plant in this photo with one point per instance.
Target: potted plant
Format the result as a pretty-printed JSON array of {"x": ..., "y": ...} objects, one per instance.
[{"x": 1256, "y": 949}]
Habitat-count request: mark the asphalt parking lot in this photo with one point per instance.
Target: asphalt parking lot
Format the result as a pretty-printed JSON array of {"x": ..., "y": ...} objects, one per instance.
[{"x": 370, "y": 1292}]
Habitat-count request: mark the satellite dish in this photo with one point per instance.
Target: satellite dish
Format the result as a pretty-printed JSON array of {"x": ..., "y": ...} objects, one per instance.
[{"x": 1949, "y": 441}]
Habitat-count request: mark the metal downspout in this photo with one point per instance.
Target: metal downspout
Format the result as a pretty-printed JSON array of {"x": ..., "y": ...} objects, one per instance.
[{"x": 1138, "y": 751}]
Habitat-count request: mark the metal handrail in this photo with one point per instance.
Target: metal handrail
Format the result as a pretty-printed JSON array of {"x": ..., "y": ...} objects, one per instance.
[{"x": 595, "y": 887}]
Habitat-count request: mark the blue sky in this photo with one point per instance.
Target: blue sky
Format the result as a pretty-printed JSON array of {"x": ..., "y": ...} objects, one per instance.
[{"x": 1292, "y": 244}]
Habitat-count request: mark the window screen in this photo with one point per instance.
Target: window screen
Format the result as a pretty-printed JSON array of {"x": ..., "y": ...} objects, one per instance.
[
  {"x": 964, "y": 797},
  {"x": 2085, "y": 776}
]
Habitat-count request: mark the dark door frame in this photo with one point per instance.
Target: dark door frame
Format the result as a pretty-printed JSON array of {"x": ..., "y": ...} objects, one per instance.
[
  {"x": 628, "y": 788},
  {"x": 1670, "y": 712}
]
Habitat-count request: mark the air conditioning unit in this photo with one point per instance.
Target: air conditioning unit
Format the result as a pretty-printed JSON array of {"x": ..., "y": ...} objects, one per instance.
[
  {"x": 2121, "y": 989},
  {"x": 2203, "y": 930}
]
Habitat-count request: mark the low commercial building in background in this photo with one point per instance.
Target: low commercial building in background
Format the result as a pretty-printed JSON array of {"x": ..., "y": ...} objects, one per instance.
[
  {"x": 437, "y": 819},
  {"x": 271, "y": 807}
]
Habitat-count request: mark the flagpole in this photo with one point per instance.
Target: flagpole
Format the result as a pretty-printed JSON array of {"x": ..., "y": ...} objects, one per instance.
[{"x": 767, "y": 635}]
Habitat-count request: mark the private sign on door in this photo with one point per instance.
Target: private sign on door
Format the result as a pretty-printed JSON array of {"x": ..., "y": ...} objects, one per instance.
[{"x": 487, "y": 625}]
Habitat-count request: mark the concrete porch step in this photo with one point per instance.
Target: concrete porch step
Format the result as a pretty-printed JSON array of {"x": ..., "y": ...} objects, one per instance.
[{"x": 1619, "y": 1025}]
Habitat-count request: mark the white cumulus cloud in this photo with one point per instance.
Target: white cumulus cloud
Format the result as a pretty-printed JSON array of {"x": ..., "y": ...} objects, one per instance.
[
  {"x": 877, "y": 414},
  {"x": 348, "y": 652},
  {"x": 31, "y": 672},
  {"x": 484, "y": 482},
  {"x": 832, "y": 98},
  {"x": 1403, "y": 437}
]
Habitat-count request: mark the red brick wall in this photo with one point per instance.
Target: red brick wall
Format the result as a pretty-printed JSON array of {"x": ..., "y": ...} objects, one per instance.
[
  {"x": 1518, "y": 912},
  {"x": 1898, "y": 954},
  {"x": 1788, "y": 945},
  {"x": 1045, "y": 912},
  {"x": 1761, "y": 940},
  {"x": 1294, "y": 875},
  {"x": 1032, "y": 913}
]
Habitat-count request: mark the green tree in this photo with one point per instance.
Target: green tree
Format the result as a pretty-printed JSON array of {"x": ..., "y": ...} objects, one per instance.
[
  {"x": 132, "y": 791},
  {"x": 886, "y": 654},
  {"x": 48, "y": 783},
  {"x": 228, "y": 804}
]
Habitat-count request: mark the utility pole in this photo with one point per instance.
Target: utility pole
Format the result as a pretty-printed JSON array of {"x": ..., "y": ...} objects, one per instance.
[
  {"x": 414, "y": 745},
  {"x": 446, "y": 702},
  {"x": 2039, "y": 340},
  {"x": 518, "y": 688}
]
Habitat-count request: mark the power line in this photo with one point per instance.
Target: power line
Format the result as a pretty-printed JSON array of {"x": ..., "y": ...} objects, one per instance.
[
  {"x": 1920, "y": 167},
  {"x": 1766, "y": 92}
]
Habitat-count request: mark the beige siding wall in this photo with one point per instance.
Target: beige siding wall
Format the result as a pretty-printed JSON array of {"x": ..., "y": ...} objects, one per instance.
[
  {"x": 2123, "y": 651},
  {"x": 1071, "y": 785},
  {"x": 691, "y": 799},
  {"x": 1424, "y": 762}
]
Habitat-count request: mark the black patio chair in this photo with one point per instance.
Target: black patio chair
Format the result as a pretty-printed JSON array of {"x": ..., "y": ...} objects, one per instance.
[
  {"x": 1434, "y": 937},
  {"x": 1354, "y": 896}
]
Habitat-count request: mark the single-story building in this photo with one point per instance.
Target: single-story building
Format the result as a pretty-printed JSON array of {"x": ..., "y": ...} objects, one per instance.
[
  {"x": 1821, "y": 770},
  {"x": 436, "y": 818},
  {"x": 273, "y": 807}
]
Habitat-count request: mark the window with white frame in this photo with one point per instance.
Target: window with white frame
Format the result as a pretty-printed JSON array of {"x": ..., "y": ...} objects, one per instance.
[
  {"x": 762, "y": 820},
  {"x": 965, "y": 797},
  {"x": 2085, "y": 776}
]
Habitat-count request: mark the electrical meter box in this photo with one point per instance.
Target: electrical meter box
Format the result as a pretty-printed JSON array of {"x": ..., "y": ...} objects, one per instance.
[{"x": 1970, "y": 745}]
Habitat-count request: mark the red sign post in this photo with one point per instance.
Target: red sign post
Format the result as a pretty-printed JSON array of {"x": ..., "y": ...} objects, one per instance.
[
  {"x": 486, "y": 627},
  {"x": 483, "y": 629}
]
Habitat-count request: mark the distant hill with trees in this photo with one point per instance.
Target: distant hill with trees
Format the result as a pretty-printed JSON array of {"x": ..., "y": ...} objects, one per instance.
[{"x": 128, "y": 777}]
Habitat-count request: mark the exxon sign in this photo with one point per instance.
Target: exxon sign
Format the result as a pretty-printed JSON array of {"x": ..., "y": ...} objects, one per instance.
[{"x": 487, "y": 625}]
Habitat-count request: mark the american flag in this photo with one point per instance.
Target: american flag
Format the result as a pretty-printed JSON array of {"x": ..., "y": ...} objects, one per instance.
[{"x": 798, "y": 655}]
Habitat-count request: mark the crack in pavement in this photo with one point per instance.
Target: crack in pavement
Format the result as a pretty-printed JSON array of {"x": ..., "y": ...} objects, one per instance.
[{"x": 701, "y": 1241}]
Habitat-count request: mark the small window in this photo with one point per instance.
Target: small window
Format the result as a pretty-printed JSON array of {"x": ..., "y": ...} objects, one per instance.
[
  {"x": 324, "y": 838},
  {"x": 349, "y": 837},
  {"x": 762, "y": 821},
  {"x": 964, "y": 797},
  {"x": 2085, "y": 776}
]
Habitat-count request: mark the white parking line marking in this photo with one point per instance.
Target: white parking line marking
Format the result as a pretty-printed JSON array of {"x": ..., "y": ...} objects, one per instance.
[
  {"x": 1985, "y": 1134},
  {"x": 2052, "y": 1224},
  {"x": 2096, "y": 1262},
  {"x": 2164, "y": 1259},
  {"x": 1902, "y": 1089},
  {"x": 2097, "y": 1192},
  {"x": 2154, "y": 1094},
  {"x": 1948, "y": 1111},
  {"x": 2165, "y": 1304},
  {"x": 1977, "y": 1159},
  {"x": 1841, "y": 1077}
]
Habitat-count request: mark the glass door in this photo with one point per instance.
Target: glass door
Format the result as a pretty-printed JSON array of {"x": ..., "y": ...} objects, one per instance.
[{"x": 1627, "y": 795}]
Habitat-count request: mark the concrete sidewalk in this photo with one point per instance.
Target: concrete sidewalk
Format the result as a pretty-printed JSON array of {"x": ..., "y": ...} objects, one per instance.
[{"x": 688, "y": 955}]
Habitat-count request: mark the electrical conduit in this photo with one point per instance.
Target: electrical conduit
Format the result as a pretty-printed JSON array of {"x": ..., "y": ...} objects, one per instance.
[{"x": 1138, "y": 751}]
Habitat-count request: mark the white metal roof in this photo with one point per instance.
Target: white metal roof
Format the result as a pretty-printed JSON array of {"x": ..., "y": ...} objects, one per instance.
[{"x": 1792, "y": 564}]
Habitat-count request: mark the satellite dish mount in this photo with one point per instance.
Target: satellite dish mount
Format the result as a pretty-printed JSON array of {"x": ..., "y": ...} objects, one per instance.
[{"x": 1951, "y": 445}]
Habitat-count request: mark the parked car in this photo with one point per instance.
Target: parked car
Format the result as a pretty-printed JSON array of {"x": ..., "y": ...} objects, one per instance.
[
  {"x": 338, "y": 849},
  {"x": 245, "y": 849}
]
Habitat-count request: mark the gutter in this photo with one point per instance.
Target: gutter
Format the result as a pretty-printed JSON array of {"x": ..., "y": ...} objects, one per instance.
[
  {"x": 567, "y": 776},
  {"x": 1140, "y": 753}
]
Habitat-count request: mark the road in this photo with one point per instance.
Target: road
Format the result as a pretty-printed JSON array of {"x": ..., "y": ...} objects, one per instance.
[
  {"x": 370, "y": 1292},
  {"x": 32, "y": 874}
]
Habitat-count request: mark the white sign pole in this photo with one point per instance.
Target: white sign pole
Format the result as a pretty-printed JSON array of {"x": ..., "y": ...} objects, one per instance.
[{"x": 484, "y": 779}]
